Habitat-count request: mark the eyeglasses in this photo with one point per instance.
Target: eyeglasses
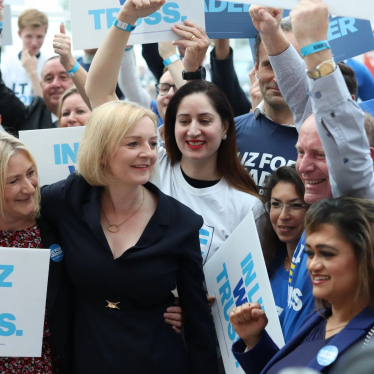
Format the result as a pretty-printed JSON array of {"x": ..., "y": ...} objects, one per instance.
[
  {"x": 163, "y": 89},
  {"x": 275, "y": 207}
]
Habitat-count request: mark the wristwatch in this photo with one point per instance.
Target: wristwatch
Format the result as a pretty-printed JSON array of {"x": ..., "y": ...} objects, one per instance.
[
  {"x": 323, "y": 69},
  {"x": 200, "y": 73}
]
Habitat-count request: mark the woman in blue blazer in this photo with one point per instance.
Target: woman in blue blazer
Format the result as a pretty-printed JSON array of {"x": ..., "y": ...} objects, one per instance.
[{"x": 340, "y": 249}]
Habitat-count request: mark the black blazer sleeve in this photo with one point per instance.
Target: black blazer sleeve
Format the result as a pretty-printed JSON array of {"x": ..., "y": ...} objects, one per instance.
[
  {"x": 224, "y": 76},
  {"x": 199, "y": 328}
]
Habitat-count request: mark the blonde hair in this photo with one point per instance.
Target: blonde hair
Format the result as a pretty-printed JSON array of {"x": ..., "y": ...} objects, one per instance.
[
  {"x": 69, "y": 92},
  {"x": 9, "y": 146},
  {"x": 32, "y": 18},
  {"x": 105, "y": 129}
]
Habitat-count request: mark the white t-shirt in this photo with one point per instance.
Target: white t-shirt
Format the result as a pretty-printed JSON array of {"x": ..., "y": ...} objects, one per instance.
[
  {"x": 16, "y": 78},
  {"x": 221, "y": 206}
]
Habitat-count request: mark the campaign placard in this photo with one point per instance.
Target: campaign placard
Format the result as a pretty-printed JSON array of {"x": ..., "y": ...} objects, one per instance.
[
  {"x": 23, "y": 290},
  {"x": 6, "y": 35},
  {"x": 362, "y": 9},
  {"x": 55, "y": 151},
  {"x": 91, "y": 20},
  {"x": 234, "y": 275},
  {"x": 348, "y": 37}
]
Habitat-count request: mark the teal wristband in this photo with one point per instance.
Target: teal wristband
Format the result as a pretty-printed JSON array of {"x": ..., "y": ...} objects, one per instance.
[
  {"x": 129, "y": 49},
  {"x": 314, "y": 48},
  {"x": 123, "y": 26},
  {"x": 171, "y": 59},
  {"x": 74, "y": 70},
  {"x": 1, "y": 24}
]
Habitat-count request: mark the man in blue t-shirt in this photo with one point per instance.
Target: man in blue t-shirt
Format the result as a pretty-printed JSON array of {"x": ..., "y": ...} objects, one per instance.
[{"x": 266, "y": 138}]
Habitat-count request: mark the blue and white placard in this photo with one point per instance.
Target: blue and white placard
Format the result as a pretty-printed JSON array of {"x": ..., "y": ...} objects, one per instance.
[
  {"x": 23, "y": 290},
  {"x": 91, "y": 20},
  {"x": 234, "y": 275},
  {"x": 55, "y": 151}
]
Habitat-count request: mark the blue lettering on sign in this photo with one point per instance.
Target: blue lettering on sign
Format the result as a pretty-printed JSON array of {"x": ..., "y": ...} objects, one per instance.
[
  {"x": 169, "y": 10},
  {"x": 213, "y": 6},
  {"x": 239, "y": 293},
  {"x": 63, "y": 152},
  {"x": 8, "y": 328},
  {"x": 6, "y": 271},
  {"x": 340, "y": 27}
]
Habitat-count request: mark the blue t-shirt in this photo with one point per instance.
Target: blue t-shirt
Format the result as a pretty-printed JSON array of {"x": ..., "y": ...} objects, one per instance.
[
  {"x": 368, "y": 106},
  {"x": 364, "y": 78},
  {"x": 300, "y": 293},
  {"x": 264, "y": 145},
  {"x": 279, "y": 286}
]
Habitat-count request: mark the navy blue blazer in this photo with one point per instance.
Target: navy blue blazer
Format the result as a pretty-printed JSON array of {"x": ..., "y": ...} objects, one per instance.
[
  {"x": 167, "y": 252},
  {"x": 265, "y": 354}
]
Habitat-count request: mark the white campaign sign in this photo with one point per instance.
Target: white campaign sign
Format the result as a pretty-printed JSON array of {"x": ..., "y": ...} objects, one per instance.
[
  {"x": 55, "y": 151},
  {"x": 15, "y": 2},
  {"x": 6, "y": 34},
  {"x": 23, "y": 290},
  {"x": 234, "y": 275},
  {"x": 362, "y": 9},
  {"x": 91, "y": 20}
]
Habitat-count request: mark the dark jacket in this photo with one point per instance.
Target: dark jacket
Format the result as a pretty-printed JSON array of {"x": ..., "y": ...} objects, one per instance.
[{"x": 16, "y": 116}]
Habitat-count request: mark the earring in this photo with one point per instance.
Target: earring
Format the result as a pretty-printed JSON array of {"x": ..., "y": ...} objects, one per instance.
[{"x": 224, "y": 137}]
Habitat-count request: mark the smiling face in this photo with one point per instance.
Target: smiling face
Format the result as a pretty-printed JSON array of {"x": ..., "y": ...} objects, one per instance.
[
  {"x": 74, "y": 112},
  {"x": 32, "y": 38},
  {"x": 55, "y": 81},
  {"x": 20, "y": 190},
  {"x": 332, "y": 266},
  {"x": 163, "y": 101},
  {"x": 136, "y": 156},
  {"x": 311, "y": 163},
  {"x": 198, "y": 129},
  {"x": 288, "y": 224}
]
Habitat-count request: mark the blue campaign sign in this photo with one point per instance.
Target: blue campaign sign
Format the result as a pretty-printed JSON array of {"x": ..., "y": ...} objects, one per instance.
[{"x": 348, "y": 37}]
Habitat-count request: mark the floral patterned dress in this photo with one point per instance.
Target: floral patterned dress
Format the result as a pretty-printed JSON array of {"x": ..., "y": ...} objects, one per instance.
[{"x": 28, "y": 238}]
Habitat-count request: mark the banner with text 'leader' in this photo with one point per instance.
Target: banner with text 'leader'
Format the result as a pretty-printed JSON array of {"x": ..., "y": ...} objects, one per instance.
[
  {"x": 237, "y": 274},
  {"x": 363, "y": 9},
  {"x": 91, "y": 20},
  {"x": 23, "y": 291}
]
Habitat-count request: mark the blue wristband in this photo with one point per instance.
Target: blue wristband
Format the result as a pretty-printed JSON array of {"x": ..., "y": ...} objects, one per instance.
[
  {"x": 1, "y": 24},
  {"x": 314, "y": 48},
  {"x": 74, "y": 70},
  {"x": 171, "y": 59},
  {"x": 123, "y": 26},
  {"x": 129, "y": 49}
]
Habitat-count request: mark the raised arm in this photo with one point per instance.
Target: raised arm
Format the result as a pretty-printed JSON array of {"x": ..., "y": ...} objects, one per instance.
[
  {"x": 62, "y": 46},
  {"x": 288, "y": 66},
  {"x": 104, "y": 71},
  {"x": 340, "y": 121}
]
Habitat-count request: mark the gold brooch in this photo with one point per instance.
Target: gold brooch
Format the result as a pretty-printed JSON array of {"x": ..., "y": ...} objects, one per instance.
[{"x": 112, "y": 305}]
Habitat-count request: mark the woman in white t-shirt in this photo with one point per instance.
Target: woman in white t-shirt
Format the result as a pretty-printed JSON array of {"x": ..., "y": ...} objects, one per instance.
[{"x": 199, "y": 165}]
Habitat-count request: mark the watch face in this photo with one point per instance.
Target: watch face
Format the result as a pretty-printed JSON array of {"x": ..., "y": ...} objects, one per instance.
[{"x": 203, "y": 72}]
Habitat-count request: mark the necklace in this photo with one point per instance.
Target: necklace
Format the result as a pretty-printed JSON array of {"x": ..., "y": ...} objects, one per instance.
[
  {"x": 113, "y": 227},
  {"x": 335, "y": 328}
]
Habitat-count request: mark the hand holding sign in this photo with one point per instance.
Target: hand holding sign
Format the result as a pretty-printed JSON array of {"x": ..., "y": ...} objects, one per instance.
[
  {"x": 195, "y": 41},
  {"x": 132, "y": 10},
  {"x": 249, "y": 321},
  {"x": 266, "y": 20}
]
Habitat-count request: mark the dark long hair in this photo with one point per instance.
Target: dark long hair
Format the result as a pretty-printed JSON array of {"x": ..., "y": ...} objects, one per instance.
[
  {"x": 273, "y": 249},
  {"x": 228, "y": 163},
  {"x": 354, "y": 220}
]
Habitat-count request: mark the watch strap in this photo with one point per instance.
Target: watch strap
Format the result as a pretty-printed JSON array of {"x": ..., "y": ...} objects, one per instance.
[{"x": 198, "y": 74}]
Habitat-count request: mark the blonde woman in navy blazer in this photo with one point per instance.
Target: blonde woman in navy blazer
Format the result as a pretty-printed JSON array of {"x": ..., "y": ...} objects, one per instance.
[
  {"x": 340, "y": 249},
  {"x": 126, "y": 246}
]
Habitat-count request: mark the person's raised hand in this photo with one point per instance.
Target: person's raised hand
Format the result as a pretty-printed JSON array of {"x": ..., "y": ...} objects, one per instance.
[
  {"x": 174, "y": 316},
  {"x": 132, "y": 10},
  {"x": 62, "y": 46},
  {"x": 166, "y": 49},
  {"x": 310, "y": 22},
  {"x": 266, "y": 20},
  {"x": 249, "y": 322},
  {"x": 196, "y": 42},
  {"x": 255, "y": 91},
  {"x": 29, "y": 62}
]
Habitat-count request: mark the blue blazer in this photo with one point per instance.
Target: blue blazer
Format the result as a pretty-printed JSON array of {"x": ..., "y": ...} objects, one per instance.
[{"x": 265, "y": 354}]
